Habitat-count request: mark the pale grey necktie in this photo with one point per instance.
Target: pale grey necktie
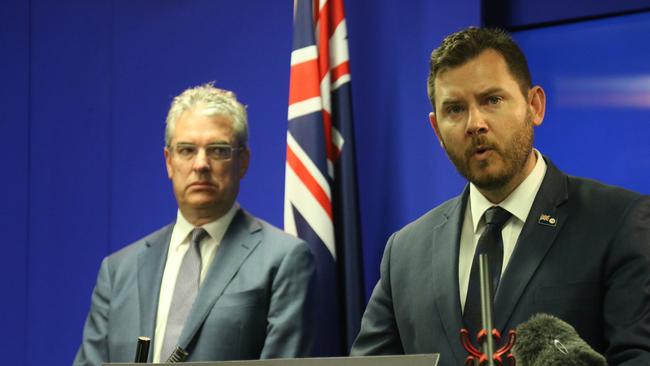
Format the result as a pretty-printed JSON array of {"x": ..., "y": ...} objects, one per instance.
[{"x": 185, "y": 290}]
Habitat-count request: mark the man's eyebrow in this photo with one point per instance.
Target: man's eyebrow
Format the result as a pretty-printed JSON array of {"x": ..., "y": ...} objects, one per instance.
[
  {"x": 219, "y": 142},
  {"x": 450, "y": 101},
  {"x": 489, "y": 91}
]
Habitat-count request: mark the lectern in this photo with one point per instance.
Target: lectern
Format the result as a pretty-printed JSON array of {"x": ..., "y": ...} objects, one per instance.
[{"x": 405, "y": 360}]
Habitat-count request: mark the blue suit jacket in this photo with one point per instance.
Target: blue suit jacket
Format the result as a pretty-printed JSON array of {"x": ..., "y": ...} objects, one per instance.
[
  {"x": 255, "y": 301},
  {"x": 592, "y": 269}
]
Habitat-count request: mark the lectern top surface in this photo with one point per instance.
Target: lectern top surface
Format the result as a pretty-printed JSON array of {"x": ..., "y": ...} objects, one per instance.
[{"x": 402, "y": 360}]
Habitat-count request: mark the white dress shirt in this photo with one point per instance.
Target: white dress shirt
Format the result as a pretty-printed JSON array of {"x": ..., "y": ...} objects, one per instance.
[
  {"x": 178, "y": 245},
  {"x": 518, "y": 203}
]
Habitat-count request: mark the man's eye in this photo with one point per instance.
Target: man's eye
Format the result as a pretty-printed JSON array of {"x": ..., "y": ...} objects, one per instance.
[
  {"x": 454, "y": 109},
  {"x": 494, "y": 99},
  {"x": 186, "y": 150},
  {"x": 219, "y": 151}
]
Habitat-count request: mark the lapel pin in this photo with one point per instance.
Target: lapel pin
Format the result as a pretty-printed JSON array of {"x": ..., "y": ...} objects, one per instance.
[{"x": 547, "y": 220}]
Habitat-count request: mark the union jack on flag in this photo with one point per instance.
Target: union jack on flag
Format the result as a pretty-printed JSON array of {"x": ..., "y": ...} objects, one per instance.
[{"x": 321, "y": 204}]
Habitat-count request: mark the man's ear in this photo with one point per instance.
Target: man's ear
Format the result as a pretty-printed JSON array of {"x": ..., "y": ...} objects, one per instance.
[
  {"x": 537, "y": 104},
  {"x": 245, "y": 157},
  {"x": 434, "y": 124},
  {"x": 168, "y": 162}
]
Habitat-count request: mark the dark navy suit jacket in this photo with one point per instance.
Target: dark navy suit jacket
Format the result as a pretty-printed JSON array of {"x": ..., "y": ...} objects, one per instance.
[{"x": 591, "y": 269}]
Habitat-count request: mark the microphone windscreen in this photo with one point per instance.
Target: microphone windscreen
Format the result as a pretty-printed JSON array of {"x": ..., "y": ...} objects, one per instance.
[{"x": 545, "y": 340}]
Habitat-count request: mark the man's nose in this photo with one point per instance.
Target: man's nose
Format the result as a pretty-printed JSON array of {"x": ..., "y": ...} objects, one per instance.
[
  {"x": 476, "y": 122},
  {"x": 201, "y": 161}
]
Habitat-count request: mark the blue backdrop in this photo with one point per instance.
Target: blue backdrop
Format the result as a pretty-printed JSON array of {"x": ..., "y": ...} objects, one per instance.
[{"x": 86, "y": 86}]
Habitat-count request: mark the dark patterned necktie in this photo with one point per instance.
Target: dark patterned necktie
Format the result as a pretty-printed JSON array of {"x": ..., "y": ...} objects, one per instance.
[
  {"x": 490, "y": 243},
  {"x": 185, "y": 290}
]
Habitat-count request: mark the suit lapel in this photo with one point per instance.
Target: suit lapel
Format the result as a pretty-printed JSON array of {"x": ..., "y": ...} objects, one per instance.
[
  {"x": 534, "y": 242},
  {"x": 241, "y": 238},
  {"x": 446, "y": 237},
  {"x": 151, "y": 264}
]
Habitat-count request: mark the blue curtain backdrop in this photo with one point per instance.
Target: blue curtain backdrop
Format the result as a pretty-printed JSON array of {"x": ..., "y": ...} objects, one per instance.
[{"x": 86, "y": 86}]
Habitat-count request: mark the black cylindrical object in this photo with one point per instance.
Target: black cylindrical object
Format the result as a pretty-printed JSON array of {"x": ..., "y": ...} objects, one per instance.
[{"x": 142, "y": 350}]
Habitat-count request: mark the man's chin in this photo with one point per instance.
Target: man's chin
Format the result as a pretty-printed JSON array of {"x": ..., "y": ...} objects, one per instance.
[
  {"x": 490, "y": 182},
  {"x": 490, "y": 177},
  {"x": 202, "y": 200}
]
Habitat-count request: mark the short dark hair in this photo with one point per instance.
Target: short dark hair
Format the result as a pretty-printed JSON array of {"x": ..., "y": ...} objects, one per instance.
[{"x": 464, "y": 45}]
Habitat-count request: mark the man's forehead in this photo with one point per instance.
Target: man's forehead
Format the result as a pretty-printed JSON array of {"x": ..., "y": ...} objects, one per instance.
[
  {"x": 200, "y": 110},
  {"x": 204, "y": 118},
  {"x": 450, "y": 90},
  {"x": 486, "y": 60},
  {"x": 480, "y": 74},
  {"x": 197, "y": 124}
]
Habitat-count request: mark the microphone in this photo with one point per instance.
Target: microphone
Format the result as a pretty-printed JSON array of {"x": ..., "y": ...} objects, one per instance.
[
  {"x": 142, "y": 350},
  {"x": 487, "y": 355},
  {"x": 545, "y": 340},
  {"x": 179, "y": 355}
]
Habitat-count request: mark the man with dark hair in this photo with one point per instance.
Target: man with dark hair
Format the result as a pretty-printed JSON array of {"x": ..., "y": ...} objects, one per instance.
[
  {"x": 217, "y": 283},
  {"x": 459, "y": 47},
  {"x": 556, "y": 244}
]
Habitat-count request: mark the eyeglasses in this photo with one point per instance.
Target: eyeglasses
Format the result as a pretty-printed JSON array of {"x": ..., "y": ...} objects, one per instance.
[{"x": 213, "y": 151}]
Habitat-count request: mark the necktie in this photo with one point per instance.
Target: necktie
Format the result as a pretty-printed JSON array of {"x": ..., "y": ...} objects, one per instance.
[
  {"x": 185, "y": 290},
  {"x": 490, "y": 243}
]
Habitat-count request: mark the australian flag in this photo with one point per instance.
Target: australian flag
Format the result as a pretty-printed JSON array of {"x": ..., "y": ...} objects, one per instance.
[{"x": 321, "y": 204}]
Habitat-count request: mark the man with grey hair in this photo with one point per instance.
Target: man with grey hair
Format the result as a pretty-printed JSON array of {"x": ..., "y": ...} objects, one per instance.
[{"x": 218, "y": 283}]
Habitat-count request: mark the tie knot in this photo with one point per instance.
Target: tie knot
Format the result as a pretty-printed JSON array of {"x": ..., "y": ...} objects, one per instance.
[
  {"x": 496, "y": 216},
  {"x": 197, "y": 235}
]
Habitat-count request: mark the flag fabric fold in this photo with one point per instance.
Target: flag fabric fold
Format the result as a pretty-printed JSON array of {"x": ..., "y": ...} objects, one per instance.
[{"x": 321, "y": 198}]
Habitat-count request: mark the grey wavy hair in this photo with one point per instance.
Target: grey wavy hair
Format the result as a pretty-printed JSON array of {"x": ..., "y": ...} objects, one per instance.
[{"x": 211, "y": 101}]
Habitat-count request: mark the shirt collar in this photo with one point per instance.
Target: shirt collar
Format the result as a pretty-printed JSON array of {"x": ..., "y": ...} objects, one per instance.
[
  {"x": 216, "y": 229},
  {"x": 518, "y": 203}
]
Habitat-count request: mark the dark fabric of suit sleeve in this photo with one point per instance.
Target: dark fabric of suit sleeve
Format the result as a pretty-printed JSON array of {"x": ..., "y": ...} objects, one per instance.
[
  {"x": 626, "y": 303},
  {"x": 379, "y": 334},
  {"x": 94, "y": 348},
  {"x": 289, "y": 331}
]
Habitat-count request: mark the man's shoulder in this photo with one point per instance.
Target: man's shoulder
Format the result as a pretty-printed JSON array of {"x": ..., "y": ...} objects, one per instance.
[
  {"x": 437, "y": 215},
  {"x": 601, "y": 196},
  {"x": 594, "y": 187},
  {"x": 271, "y": 233},
  {"x": 159, "y": 237},
  {"x": 585, "y": 193},
  {"x": 271, "y": 245},
  {"x": 432, "y": 219}
]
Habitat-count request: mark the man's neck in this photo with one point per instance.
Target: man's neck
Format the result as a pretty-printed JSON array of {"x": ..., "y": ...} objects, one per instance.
[{"x": 200, "y": 217}]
